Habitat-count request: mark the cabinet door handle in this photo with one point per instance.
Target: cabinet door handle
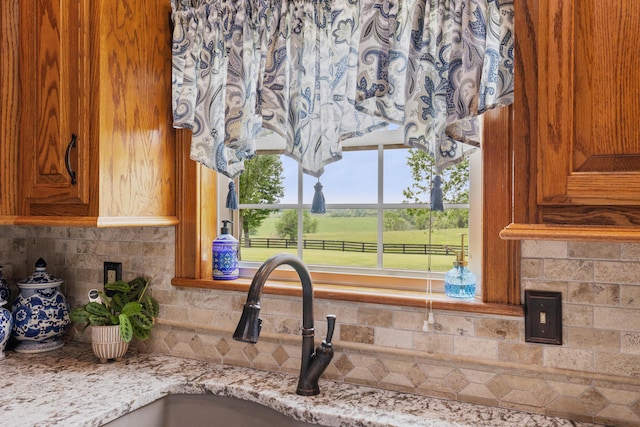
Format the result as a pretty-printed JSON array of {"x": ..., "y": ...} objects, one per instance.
[{"x": 67, "y": 159}]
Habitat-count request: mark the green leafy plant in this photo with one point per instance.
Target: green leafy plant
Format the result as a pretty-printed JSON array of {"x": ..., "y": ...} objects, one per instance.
[{"x": 128, "y": 306}]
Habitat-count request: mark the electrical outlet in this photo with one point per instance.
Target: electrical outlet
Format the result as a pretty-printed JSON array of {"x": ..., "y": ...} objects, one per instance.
[
  {"x": 543, "y": 317},
  {"x": 112, "y": 271}
]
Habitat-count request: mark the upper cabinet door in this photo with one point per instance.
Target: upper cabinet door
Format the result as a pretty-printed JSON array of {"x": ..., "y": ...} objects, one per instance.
[
  {"x": 589, "y": 103},
  {"x": 55, "y": 102}
]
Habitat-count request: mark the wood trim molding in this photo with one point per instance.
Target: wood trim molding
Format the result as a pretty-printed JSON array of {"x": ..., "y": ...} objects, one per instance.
[{"x": 570, "y": 233}]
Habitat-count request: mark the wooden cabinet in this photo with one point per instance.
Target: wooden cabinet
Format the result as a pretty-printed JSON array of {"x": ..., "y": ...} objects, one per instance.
[
  {"x": 9, "y": 125},
  {"x": 577, "y": 155},
  {"x": 96, "y": 145}
]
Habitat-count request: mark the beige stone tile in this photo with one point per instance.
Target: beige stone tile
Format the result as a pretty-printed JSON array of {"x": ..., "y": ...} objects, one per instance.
[
  {"x": 225, "y": 320},
  {"x": 127, "y": 249},
  {"x": 475, "y": 348},
  {"x": 287, "y": 325},
  {"x": 630, "y": 251},
  {"x": 569, "y": 270},
  {"x": 568, "y": 389},
  {"x": 545, "y": 285},
  {"x": 265, "y": 361},
  {"x": 387, "y": 337},
  {"x": 617, "y": 415},
  {"x": 630, "y": 296},
  {"x": 624, "y": 319},
  {"x": 475, "y": 392},
  {"x": 497, "y": 328},
  {"x": 618, "y": 364},
  {"x": 436, "y": 371},
  {"x": 280, "y": 307},
  {"x": 616, "y": 272},
  {"x": 568, "y": 358},
  {"x": 456, "y": 380},
  {"x": 619, "y": 397},
  {"x": 594, "y": 250},
  {"x": 438, "y": 388},
  {"x": 478, "y": 377},
  {"x": 544, "y": 249},
  {"x": 433, "y": 343},
  {"x": 499, "y": 386},
  {"x": 378, "y": 369},
  {"x": 532, "y": 268},
  {"x": 408, "y": 320},
  {"x": 577, "y": 315},
  {"x": 594, "y": 339},
  {"x": 521, "y": 399},
  {"x": 199, "y": 316},
  {"x": 375, "y": 316},
  {"x": 345, "y": 313},
  {"x": 361, "y": 376},
  {"x": 570, "y": 407},
  {"x": 454, "y": 324},
  {"x": 355, "y": 333},
  {"x": 630, "y": 342},
  {"x": 594, "y": 293},
  {"x": 528, "y": 354}
]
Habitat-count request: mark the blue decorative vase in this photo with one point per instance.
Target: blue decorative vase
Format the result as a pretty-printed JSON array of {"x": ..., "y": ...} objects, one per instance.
[
  {"x": 6, "y": 322},
  {"x": 225, "y": 255},
  {"x": 5, "y": 294},
  {"x": 40, "y": 312}
]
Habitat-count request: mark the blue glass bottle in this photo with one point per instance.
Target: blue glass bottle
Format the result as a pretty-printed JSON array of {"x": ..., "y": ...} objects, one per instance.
[{"x": 460, "y": 282}]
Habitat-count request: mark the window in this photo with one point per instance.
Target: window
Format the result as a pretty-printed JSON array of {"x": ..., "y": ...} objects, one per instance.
[
  {"x": 370, "y": 227},
  {"x": 198, "y": 226}
]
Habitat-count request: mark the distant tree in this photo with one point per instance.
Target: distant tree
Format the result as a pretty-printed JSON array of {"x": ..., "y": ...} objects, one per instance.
[
  {"x": 260, "y": 183},
  {"x": 455, "y": 189},
  {"x": 287, "y": 225},
  {"x": 393, "y": 221}
]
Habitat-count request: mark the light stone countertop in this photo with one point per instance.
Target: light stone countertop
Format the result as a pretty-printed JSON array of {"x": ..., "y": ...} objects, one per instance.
[{"x": 68, "y": 387}]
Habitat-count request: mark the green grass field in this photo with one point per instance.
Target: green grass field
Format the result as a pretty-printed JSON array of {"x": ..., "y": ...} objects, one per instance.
[{"x": 362, "y": 229}]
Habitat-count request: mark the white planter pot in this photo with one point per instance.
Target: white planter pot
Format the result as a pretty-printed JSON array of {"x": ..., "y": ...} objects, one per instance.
[{"x": 107, "y": 344}]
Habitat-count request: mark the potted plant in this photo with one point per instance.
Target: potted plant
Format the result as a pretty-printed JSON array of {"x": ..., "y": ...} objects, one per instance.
[{"x": 116, "y": 319}]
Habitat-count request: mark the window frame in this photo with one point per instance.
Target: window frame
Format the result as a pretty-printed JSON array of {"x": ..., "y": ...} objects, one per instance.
[
  {"x": 360, "y": 276},
  {"x": 197, "y": 212}
]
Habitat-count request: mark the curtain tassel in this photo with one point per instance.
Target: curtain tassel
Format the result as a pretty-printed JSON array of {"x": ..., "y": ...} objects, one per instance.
[
  {"x": 232, "y": 198},
  {"x": 436, "y": 194},
  {"x": 318, "y": 199}
]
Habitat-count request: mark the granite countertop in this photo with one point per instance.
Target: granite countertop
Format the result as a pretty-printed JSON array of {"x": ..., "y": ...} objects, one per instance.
[{"x": 68, "y": 387}]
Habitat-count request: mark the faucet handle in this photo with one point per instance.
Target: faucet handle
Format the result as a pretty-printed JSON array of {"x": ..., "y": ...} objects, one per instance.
[{"x": 331, "y": 324}]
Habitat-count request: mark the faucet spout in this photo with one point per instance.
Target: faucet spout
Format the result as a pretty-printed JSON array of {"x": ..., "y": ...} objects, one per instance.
[{"x": 313, "y": 363}]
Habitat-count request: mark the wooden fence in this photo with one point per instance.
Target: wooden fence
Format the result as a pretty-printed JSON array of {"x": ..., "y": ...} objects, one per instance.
[{"x": 345, "y": 246}]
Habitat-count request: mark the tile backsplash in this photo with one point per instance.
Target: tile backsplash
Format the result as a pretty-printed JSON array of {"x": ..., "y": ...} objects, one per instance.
[{"x": 593, "y": 376}]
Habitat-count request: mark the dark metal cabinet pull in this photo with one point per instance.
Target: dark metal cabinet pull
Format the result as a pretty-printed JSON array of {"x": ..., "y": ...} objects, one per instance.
[{"x": 67, "y": 159}]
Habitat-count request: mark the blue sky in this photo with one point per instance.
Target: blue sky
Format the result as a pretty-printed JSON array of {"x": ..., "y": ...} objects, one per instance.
[{"x": 353, "y": 179}]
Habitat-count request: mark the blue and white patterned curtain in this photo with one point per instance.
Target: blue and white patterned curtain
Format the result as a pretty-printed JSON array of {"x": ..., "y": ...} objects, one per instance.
[{"x": 320, "y": 71}]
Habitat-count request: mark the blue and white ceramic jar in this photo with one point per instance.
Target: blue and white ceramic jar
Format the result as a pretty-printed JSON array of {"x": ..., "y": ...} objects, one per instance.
[
  {"x": 5, "y": 294},
  {"x": 40, "y": 312},
  {"x": 6, "y": 322}
]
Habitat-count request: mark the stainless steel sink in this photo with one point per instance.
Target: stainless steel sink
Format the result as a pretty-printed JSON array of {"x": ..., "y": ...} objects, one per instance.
[{"x": 195, "y": 410}]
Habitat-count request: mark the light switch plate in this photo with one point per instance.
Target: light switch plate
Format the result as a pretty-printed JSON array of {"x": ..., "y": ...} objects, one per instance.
[
  {"x": 112, "y": 272},
  {"x": 543, "y": 317}
]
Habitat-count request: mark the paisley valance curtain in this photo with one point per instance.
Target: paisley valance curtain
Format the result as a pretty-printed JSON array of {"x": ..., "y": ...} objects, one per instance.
[{"x": 318, "y": 72}]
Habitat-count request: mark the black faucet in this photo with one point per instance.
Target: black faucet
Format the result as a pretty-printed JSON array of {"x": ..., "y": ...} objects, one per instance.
[{"x": 313, "y": 363}]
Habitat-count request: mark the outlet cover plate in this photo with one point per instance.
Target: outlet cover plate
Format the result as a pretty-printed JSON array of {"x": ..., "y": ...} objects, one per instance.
[{"x": 543, "y": 317}]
